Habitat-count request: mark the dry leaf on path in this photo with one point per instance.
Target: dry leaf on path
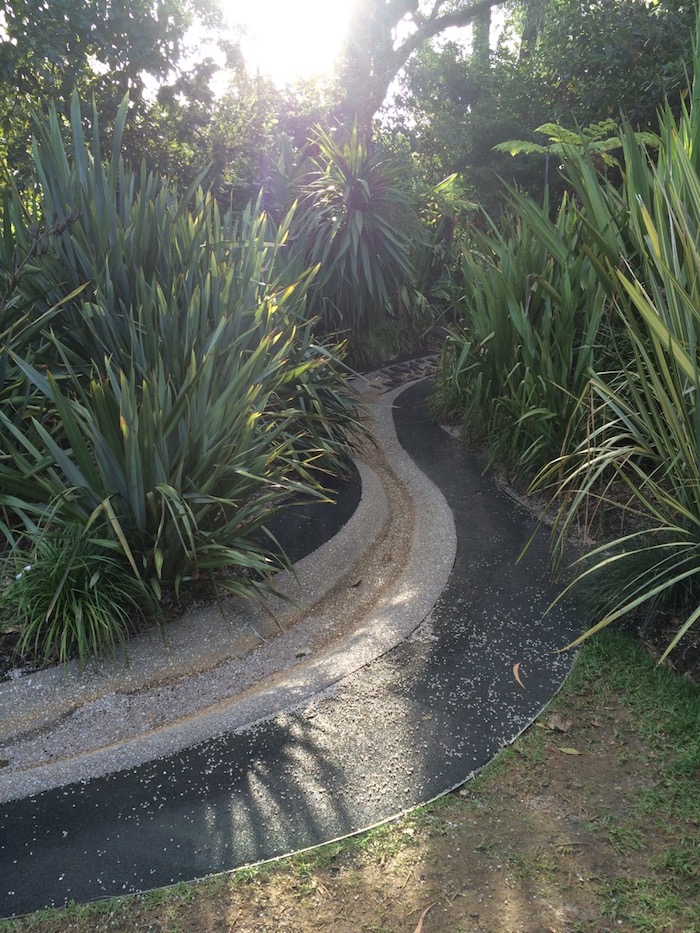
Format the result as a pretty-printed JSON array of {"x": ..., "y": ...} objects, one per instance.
[
  {"x": 557, "y": 723},
  {"x": 419, "y": 928},
  {"x": 570, "y": 751},
  {"x": 516, "y": 673}
]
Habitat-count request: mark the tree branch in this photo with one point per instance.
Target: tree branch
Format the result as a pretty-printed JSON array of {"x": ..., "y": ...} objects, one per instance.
[
  {"x": 374, "y": 62},
  {"x": 434, "y": 24}
]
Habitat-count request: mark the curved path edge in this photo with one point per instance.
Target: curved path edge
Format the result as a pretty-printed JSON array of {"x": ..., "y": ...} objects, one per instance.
[
  {"x": 277, "y": 675},
  {"x": 415, "y": 720}
]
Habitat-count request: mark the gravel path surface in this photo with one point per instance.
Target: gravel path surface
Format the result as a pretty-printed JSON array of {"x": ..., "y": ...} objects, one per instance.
[
  {"x": 416, "y": 697},
  {"x": 222, "y": 672}
]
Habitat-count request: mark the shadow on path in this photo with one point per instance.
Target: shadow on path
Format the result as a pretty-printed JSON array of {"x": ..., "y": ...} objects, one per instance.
[{"x": 406, "y": 728}]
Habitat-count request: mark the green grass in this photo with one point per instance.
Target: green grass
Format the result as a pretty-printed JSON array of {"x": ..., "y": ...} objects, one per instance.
[{"x": 648, "y": 906}]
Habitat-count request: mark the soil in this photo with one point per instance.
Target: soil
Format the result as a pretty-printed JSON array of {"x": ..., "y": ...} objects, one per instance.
[{"x": 568, "y": 831}]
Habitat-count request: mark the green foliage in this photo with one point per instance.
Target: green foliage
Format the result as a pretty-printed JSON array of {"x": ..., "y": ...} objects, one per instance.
[
  {"x": 382, "y": 37},
  {"x": 453, "y": 112},
  {"x": 104, "y": 49},
  {"x": 605, "y": 57},
  {"x": 358, "y": 220},
  {"x": 600, "y": 138},
  {"x": 628, "y": 421},
  {"x": 436, "y": 253},
  {"x": 73, "y": 594},
  {"x": 641, "y": 452},
  {"x": 255, "y": 133},
  {"x": 558, "y": 62},
  {"x": 645, "y": 436},
  {"x": 517, "y": 362},
  {"x": 180, "y": 391}
]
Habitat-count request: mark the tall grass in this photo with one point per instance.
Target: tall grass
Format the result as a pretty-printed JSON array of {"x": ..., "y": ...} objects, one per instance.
[
  {"x": 180, "y": 391},
  {"x": 642, "y": 450},
  {"x": 516, "y": 364},
  {"x": 75, "y": 597},
  {"x": 640, "y": 456},
  {"x": 577, "y": 355}
]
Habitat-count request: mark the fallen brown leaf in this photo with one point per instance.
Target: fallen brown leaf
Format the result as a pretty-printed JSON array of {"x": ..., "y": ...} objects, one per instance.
[
  {"x": 570, "y": 751},
  {"x": 516, "y": 673},
  {"x": 557, "y": 723}
]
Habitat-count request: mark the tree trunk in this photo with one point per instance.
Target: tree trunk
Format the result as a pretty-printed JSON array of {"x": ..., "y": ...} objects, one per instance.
[
  {"x": 481, "y": 36},
  {"x": 373, "y": 58},
  {"x": 533, "y": 21}
]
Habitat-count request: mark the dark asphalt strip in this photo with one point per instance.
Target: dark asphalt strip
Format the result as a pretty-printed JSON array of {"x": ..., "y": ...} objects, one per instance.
[
  {"x": 408, "y": 727},
  {"x": 302, "y": 528}
]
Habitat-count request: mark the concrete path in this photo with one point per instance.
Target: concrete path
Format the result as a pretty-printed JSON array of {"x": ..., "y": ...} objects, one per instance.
[{"x": 416, "y": 695}]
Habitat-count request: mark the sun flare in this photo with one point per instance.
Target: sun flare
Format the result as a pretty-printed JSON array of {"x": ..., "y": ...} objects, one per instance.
[{"x": 291, "y": 39}]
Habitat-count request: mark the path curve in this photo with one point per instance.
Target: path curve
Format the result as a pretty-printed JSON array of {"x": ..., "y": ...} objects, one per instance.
[{"x": 417, "y": 697}]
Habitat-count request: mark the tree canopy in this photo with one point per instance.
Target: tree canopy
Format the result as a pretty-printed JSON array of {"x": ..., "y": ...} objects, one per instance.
[
  {"x": 562, "y": 61},
  {"x": 382, "y": 36},
  {"x": 559, "y": 62},
  {"x": 104, "y": 48}
]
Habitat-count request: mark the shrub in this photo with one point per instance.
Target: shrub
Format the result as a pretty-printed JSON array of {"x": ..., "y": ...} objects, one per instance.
[
  {"x": 180, "y": 392},
  {"x": 517, "y": 361},
  {"x": 644, "y": 439},
  {"x": 613, "y": 425}
]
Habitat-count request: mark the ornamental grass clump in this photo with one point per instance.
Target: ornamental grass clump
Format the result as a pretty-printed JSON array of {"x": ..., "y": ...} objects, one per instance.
[
  {"x": 639, "y": 458},
  {"x": 529, "y": 328},
  {"x": 75, "y": 598},
  {"x": 641, "y": 454},
  {"x": 179, "y": 393},
  {"x": 576, "y": 355}
]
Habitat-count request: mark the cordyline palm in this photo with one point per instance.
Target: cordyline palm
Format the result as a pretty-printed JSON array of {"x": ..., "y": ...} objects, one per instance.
[{"x": 357, "y": 220}]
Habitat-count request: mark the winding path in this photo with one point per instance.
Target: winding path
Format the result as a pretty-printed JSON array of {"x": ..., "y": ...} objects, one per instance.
[{"x": 381, "y": 709}]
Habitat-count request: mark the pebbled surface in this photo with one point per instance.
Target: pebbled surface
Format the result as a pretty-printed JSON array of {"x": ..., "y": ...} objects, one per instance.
[
  {"x": 354, "y": 598},
  {"x": 403, "y": 729}
]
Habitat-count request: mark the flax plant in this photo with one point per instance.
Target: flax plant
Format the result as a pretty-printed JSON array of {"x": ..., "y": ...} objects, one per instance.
[
  {"x": 181, "y": 392},
  {"x": 641, "y": 454},
  {"x": 644, "y": 443},
  {"x": 517, "y": 362}
]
